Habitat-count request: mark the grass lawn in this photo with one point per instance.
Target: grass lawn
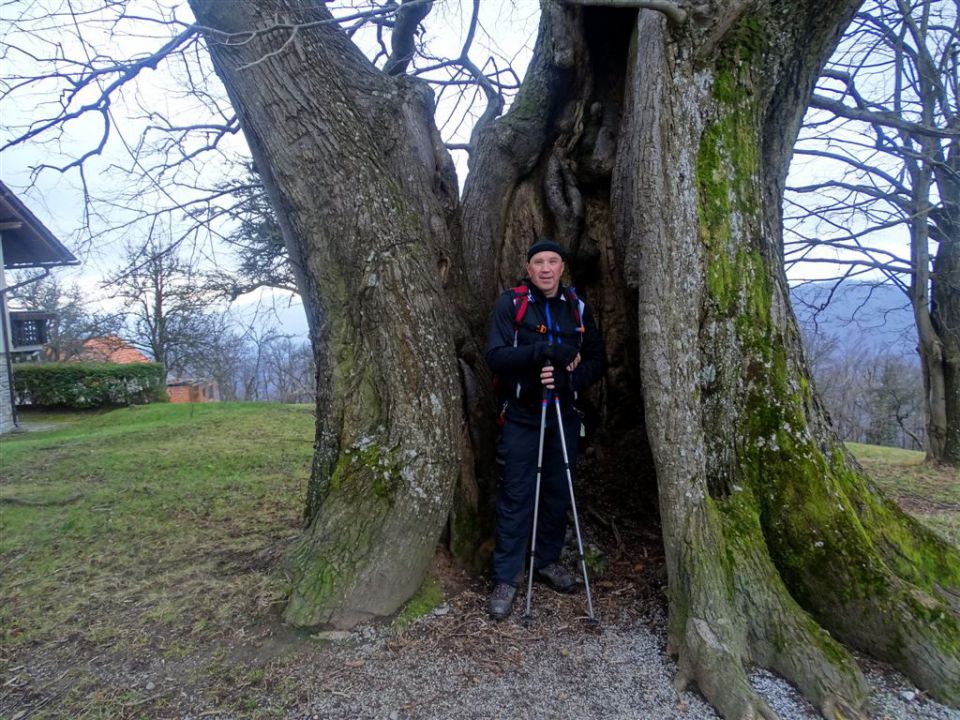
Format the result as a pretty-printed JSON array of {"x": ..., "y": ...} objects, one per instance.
[
  {"x": 140, "y": 554},
  {"x": 140, "y": 532},
  {"x": 930, "y": 493}
]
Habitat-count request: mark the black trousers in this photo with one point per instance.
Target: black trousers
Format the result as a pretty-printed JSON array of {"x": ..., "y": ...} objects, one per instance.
[{"x": 517, "y": 458}]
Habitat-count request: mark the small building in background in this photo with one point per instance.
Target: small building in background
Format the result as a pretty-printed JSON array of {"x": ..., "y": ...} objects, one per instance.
[
  {"x": 25, "y": 244},
  {"x": 193, "y": 391}
]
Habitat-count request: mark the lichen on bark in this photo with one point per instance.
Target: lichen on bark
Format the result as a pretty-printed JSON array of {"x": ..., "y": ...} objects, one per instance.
[{"x": 367, "y": 199}]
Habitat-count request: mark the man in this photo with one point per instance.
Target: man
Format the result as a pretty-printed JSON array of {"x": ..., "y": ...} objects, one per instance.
[{"x": 554, "y": 348}]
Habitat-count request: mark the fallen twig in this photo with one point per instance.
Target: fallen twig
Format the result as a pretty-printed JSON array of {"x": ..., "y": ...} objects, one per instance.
[{"x": 9, "y": 500}]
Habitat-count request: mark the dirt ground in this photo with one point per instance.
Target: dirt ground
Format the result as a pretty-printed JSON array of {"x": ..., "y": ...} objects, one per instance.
[
  {"x": 453, "y": 663},
  {"x": 265, "y": 669}
]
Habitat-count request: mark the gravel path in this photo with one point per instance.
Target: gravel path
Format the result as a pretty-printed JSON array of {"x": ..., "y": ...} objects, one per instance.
[{"x": 456, "y": 663}]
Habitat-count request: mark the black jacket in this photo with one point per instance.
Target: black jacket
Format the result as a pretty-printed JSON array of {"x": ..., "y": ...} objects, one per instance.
[{"x": 516, "y": 355}]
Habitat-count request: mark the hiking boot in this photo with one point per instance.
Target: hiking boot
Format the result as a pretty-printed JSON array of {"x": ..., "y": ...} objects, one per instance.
[
  {"x": 501, "y": 600},
  {"x": 556, "y": 577}
]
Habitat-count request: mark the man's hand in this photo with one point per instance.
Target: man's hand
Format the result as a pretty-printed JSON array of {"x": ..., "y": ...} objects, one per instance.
[
  {"x": 561, "y": 355},
  {"x": 553, "y": 380},
  {"x": 546, "y": 377}
]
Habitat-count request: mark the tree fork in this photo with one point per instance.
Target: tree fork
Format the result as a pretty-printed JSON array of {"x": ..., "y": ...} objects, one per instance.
[{"x": 691, "y": 228}]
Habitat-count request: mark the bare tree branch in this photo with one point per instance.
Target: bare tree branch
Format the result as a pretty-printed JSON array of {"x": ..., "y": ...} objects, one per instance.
[
  {"x": 889, "y": 120},
  {"x": 409, "y": 17},
  {"x": 125, "y": 73},
  {"x": 675, "y": 14}
]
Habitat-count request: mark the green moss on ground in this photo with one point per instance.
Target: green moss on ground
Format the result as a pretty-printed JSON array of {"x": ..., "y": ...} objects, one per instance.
[{"x": 427, "y": 598}]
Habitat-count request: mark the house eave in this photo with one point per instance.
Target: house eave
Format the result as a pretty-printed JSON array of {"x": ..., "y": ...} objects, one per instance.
[{"x": 27, "y": 242}]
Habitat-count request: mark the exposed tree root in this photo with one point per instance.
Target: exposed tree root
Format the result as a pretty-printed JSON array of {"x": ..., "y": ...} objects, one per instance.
[
  {"x": 784, "y": 638},
  {"x": 718, "y": 671},
  {"x": 346, "y": 568},
  {"x": 867, "y": 572},
  {"x": 759, "y": 623}
]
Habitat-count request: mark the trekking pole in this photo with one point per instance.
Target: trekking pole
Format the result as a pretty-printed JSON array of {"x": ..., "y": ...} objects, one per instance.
[
  {"x": 573, "y": 505},
  {"x": 536, "y": 500}
]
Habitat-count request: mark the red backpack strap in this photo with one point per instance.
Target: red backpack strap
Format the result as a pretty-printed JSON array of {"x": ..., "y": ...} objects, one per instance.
[{"x": 521, "y": 296}]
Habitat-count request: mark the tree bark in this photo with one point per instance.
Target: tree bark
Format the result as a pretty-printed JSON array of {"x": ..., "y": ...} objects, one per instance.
[
  {"x": 657, "y": 154},
  {"x": 693, "y": 193},
  {"x": 945, "y": 289},
  {"x": 770, "y": 529},
  {"x": 367, "y": 200},
  {"x": 943, "y": 321},
  {"x": 933, "y": 327}
]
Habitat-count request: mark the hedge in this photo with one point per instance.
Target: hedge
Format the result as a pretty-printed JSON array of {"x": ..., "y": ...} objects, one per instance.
[{"x": 87, "y": 385}]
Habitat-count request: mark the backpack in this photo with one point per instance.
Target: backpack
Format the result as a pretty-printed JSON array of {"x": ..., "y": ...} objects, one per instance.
[{"x": 522, "y": 297}]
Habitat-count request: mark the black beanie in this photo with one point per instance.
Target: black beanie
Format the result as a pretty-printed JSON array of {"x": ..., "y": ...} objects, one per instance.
[{"x": 546, "y": 246}]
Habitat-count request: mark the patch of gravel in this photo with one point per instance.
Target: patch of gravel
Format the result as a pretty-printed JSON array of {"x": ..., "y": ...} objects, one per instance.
[{"x": 456, "y": 663}]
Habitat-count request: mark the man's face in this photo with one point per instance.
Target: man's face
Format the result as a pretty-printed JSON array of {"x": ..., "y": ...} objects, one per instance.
[{"x": 545, "y": 269}]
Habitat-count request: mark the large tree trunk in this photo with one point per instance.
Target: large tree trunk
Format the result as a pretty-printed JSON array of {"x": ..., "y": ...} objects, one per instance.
[
  {"x": 367, "y": 199},
  {"x": 657, "y": 154},
  {"x": 945, "y": 290},
  {"x": 930, "y": 335},
  {"x": 939, "y": 331},
  {"x": 771, "y": 530}
]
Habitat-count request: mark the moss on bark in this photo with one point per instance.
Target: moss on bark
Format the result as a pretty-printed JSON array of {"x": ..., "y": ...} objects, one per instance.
[
  {"x": 800, "y": 525},
  {"x": 361, "y": 490}
]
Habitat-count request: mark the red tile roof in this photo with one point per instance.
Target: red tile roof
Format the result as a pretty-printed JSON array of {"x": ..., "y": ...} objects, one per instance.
[{"x": 110, "y": 348}]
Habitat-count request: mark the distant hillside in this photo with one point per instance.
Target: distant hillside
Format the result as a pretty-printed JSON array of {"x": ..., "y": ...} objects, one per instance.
[
  {"x": 864, "y": 360},
  {"x": 861, "y": 315}
]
